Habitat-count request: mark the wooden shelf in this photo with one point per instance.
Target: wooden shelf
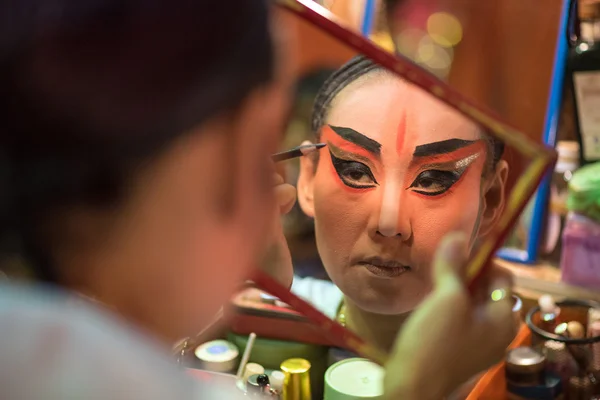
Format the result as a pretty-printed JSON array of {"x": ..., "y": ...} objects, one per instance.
[{"x": 532, "y": 281}]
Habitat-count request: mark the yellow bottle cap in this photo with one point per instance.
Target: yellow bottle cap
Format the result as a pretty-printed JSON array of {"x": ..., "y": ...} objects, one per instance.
[{"x": 296, "y": 384}]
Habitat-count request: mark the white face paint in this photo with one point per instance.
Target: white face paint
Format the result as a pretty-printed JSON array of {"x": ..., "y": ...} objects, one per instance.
[{"x": 399, "y": 172}]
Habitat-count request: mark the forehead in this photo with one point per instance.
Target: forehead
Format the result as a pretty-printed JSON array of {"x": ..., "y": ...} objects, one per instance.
[{"x": 380, "y": 105}]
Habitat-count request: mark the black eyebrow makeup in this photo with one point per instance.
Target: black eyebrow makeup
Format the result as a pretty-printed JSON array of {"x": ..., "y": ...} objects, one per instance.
[
  {"x": 346, "y": 155},
  {"x": 443, "y": 147},
  {"x": 352, "y": 136}
]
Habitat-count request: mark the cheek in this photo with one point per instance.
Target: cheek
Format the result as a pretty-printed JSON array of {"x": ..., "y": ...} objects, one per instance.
[
  {"x": 341, "y": 215},
  {"x": 456, "y": 211}
]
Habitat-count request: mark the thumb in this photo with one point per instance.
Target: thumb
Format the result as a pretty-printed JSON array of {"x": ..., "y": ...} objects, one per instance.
[{"x": 449, "y": 260}]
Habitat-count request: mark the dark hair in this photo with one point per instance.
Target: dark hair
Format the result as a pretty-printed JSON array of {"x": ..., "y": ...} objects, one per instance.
[
  {"x": 93, "y": 88},
  {"x": 356, "y": 68}
]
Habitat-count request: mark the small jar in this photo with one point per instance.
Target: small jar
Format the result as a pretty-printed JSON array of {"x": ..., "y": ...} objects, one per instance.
[
  {"x": 354, "y": 379},
  {"x": 525, "y": 366},
  {"x": 297, "y": 379},
  {"x": 550, "y": 389}
]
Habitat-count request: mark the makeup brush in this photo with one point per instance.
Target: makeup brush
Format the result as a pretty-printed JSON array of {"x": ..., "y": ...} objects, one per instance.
[
  {"x": 246, "y": 355},
  {"x": 296, "y": 152}
]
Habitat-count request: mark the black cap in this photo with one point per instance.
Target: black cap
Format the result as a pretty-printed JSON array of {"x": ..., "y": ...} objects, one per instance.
[{"x": 262, "y": 380}]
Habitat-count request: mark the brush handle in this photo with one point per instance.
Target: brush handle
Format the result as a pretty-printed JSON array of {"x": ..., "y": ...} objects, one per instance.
[{"x": 298, "y": 151}]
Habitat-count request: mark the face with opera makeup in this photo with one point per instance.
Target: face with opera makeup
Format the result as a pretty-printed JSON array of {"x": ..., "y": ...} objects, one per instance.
[{"x": 401, "y": 170}]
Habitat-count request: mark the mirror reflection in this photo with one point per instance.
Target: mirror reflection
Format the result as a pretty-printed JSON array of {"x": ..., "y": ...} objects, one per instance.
[{"x": 400, "y": 171}]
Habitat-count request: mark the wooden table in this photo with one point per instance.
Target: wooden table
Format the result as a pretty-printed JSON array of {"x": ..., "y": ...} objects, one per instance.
[{"x": 532, "y": 281}]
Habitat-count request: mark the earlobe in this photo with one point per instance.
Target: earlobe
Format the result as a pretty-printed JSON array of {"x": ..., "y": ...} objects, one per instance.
[
  {"x": 308, "y": 169},
  {"x": 494, "y": 198}
]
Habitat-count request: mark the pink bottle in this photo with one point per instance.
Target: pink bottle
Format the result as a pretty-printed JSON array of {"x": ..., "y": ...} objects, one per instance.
[{"x": 580, "y": 261}]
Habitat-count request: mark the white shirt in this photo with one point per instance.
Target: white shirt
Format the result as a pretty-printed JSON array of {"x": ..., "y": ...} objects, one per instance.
[
  {"x": 52, "y": 349},
  {"x": 323, "y": 295}
]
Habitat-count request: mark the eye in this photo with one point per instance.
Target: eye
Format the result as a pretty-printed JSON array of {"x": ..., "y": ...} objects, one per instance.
[
  {"x": 353, "y": 173},
  {"x": 434, "y": 182}
]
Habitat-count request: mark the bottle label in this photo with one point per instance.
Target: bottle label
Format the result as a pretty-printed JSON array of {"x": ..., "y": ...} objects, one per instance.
[{"x": 587, "y": 94}]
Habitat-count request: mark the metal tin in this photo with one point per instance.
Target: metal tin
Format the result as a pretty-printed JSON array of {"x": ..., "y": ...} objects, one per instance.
[
  {"x": 354, "y": 379},
  {"x": 217, "y": 356},
  {"x": 296, "y": 385},
  {"x": 525, "y": 366}
]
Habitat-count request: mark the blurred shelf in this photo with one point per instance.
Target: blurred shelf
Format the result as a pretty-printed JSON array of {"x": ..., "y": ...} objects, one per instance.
[{"x": 532, "y": 281}]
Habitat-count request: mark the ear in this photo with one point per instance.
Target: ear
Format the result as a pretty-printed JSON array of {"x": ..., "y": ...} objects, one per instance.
[
  {"x": 306, "y": 179},
  {"x": 493, "y": 198}
]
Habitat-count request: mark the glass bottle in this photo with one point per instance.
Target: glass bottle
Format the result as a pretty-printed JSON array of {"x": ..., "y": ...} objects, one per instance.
[
  {"x": 583, "y": 73},
  {"x": 568, "y": 162}
]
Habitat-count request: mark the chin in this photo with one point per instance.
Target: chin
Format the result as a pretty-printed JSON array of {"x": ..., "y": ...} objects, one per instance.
[
  {"x": 384, "y": 304},
  {"x": 389, "y": 309}
]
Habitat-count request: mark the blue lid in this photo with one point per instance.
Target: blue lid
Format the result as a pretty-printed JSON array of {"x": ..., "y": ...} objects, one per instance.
[{"x": 548, "y": 391}]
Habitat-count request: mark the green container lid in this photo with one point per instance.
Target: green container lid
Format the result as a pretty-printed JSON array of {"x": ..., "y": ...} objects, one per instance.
[
  {"x": 584, "y": 191},
  {"x": 354, "y": 379}
]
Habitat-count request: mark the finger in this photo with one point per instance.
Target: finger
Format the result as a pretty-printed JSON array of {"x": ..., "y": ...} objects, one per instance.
[
  {"x": 449, "y": 260},
  {"x": 281, "y": 170},
  {"x": 277, "y": 179},
  {"x": 286, "y": 197}
]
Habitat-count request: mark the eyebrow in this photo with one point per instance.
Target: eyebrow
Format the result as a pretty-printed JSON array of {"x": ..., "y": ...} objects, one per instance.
[
  {"x": 352, "y": 136},
  {"x": 443, "y": 147}
]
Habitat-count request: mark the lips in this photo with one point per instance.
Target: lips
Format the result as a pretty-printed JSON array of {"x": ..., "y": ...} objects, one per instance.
[{"x": 384, "y": 268}]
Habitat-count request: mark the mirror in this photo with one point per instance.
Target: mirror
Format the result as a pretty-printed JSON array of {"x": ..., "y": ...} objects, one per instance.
[
  {"x": 402, "y": 168},
  {"x": 408, "y": 160}
]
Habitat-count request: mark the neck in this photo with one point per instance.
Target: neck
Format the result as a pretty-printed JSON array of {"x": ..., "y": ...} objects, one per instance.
[
  {"x": 378, "y": 329},
  {"x": 122, "y": 310}
]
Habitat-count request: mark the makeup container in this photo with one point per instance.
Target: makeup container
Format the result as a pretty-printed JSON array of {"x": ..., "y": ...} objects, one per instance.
[
  {"x": 252, "y": 369},
  {"x": 559, "y": 361},
  {"x": 354, "y": 379},
  {"x": 217, "y": 356},
  {"x": 525, "y": 366},
  {"x": 271, "y": 353},
  {"x": 573, "y": 329},
  {"x": 594, "y": 331},
  {"x": 576, "y": 330},
  {"x": 549, "y": 313},
  {"x": 277, "y": 378},
  {"x": 296, "y": 385},
  {"x": 550, "y": 389},
  {"x": 593, "y": 316}
]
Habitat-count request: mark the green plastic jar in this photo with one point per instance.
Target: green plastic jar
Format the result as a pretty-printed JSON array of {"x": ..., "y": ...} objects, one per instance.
[{"x": 584, "y": 192}]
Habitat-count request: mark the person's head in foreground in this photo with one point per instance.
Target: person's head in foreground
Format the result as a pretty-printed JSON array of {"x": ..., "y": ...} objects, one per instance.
[
  {"x": 134, "y": 151},
  {"x": 134, "y": 157},
  {"x": 401, "y": 170}
]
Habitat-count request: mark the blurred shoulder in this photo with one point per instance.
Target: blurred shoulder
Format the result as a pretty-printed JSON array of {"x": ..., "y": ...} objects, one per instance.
[{"x": 74, "y": 350}]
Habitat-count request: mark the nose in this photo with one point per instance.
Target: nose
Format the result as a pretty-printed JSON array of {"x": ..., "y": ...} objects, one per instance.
[{"x": 394, "y": 220}]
